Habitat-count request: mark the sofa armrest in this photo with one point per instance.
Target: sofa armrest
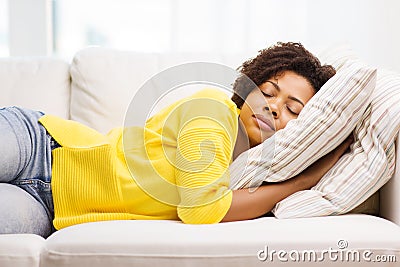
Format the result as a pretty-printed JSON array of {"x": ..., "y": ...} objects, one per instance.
[{"x": 390, "y": 192}]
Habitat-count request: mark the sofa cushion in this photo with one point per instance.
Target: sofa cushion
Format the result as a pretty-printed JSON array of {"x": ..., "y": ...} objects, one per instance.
[
  {"x": 104, "y": 81},
  {"x": 36, "y": 83},
  {"x": 20, "y": 250},
  {"x": 172, "y": 243}
]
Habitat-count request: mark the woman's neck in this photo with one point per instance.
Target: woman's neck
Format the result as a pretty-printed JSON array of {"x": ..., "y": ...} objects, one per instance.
[{"x": 242, "y": 141}]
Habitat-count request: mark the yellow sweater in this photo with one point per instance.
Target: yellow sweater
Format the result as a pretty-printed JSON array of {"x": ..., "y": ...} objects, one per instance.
[{"x": 176, "y": 167}]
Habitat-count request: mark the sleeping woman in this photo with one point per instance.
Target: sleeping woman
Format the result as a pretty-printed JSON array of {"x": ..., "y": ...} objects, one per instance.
[{"x": 55, "y": 173}]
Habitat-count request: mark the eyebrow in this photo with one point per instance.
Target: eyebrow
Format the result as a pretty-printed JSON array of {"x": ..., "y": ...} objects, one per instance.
[{"x": 279, "y": 89}]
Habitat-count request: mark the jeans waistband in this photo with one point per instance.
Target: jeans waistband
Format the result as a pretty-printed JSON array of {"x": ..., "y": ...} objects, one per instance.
[{"x": 53, "y": 143}]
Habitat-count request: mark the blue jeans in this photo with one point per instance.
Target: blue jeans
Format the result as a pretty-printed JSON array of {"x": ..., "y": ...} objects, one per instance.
[{"x": 26, "y": 204}]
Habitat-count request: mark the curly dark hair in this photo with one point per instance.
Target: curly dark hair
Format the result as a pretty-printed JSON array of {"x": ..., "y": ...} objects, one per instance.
[{"x": 272, "y": 61}]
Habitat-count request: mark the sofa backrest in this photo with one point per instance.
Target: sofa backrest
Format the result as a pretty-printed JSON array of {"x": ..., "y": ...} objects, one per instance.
[
  {"x": 36, "y": 83},
  {"x": 104, "y": 81},
  {"x": 390, "y": 192}
]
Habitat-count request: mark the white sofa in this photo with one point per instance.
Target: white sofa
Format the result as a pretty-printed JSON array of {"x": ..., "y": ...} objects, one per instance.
[{"x": 96, "y": 89}]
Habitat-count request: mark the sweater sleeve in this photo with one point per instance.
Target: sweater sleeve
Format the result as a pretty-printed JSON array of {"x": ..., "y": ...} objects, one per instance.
[{"x": 205, "y": 145}]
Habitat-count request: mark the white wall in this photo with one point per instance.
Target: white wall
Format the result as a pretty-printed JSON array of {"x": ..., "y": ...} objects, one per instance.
[
  {"x": 370, "y": 27},
  {"x": 236, "y": 26}
]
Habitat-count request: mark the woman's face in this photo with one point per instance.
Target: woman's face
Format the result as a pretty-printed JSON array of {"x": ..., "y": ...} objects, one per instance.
[{"x": 271, "y": 106}]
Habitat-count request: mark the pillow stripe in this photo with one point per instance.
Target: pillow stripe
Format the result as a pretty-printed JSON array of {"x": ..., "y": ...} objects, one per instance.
[{"x": 316, "y": 131}]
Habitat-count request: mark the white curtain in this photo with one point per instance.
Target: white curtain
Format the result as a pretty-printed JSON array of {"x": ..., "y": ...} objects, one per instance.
[{"x": 177, "y": 25}]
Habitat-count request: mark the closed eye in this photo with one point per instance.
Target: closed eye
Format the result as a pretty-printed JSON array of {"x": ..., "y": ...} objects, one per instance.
[
  {"x": 265, "y": 94},
  {"x": 294, "y": 113}
]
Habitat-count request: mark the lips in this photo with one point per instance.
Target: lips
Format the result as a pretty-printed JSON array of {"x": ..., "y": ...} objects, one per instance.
[{"x": 264, "y": 122}]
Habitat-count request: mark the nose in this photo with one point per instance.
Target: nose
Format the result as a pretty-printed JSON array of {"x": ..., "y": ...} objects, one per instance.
[{"x": 273, "y": 109}]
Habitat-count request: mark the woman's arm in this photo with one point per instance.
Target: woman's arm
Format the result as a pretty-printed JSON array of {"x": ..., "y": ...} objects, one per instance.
[{"x": 248, "y": 205}]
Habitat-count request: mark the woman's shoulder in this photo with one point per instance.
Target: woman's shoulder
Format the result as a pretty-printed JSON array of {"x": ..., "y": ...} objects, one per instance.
[
  {"x": 216, "y": 94},
  {"x": 211, "y": 104},
  {"x": 213, "y": 93}
]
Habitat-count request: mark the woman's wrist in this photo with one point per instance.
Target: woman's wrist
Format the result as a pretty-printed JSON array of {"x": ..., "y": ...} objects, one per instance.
[{"x": 303, "y": 181}]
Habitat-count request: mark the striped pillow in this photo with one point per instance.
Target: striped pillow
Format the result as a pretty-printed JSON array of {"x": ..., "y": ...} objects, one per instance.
[
  {"x": 368, "y": 166},
  {"x": 325, "y": 121}
]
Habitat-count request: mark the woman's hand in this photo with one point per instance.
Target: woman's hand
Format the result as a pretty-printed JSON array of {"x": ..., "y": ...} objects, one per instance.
[{"x": 248, "y": 205}]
